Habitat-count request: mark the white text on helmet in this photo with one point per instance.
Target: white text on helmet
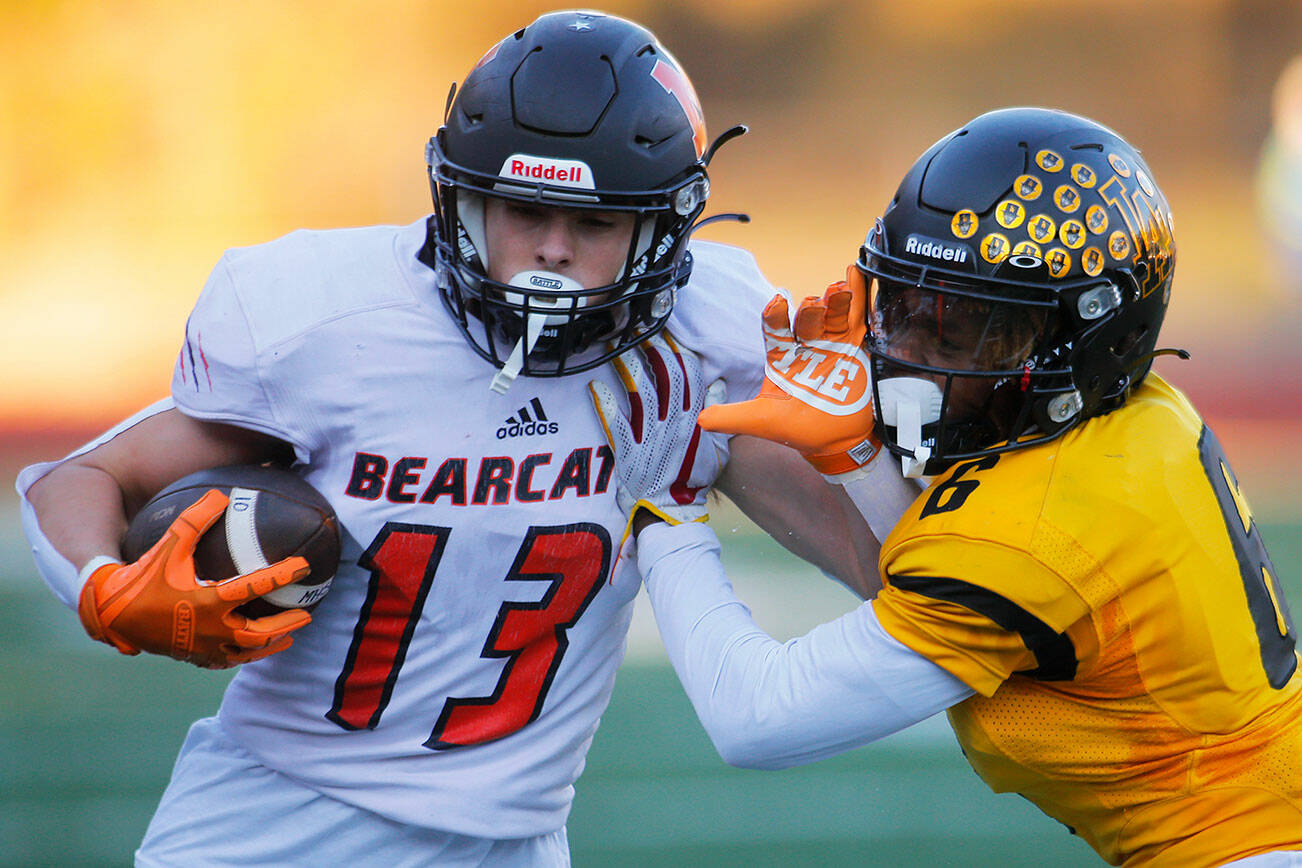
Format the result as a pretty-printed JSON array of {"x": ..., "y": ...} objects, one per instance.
[{"x": 917, "y": 246}]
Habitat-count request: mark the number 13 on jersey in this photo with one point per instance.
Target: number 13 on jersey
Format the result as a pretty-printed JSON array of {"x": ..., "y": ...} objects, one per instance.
[{"x": 531, "y": 637}]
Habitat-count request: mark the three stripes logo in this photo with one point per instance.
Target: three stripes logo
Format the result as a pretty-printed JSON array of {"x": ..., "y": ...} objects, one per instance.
[{"x": 528, "y": 421}]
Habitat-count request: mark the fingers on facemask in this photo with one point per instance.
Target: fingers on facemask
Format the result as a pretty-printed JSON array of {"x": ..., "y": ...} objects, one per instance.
[
  {"x": 838, "y": 301},
  {"x": 689, "y": 369},
  {"x": 660, "y": 383},
  {"x": 777, "y": 319},
  {"x": 809, "y": 319}
]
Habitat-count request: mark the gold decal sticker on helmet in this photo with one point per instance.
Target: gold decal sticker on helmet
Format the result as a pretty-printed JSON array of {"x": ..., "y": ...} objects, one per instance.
[
  {"x": 1066, "y": 198},
  {"x": 1010, "y": 213},
  {"x": 1119, "y": 245},
  {"x": 964, "y": 224},
  {"x": 994, "y": 247},
  {"x": 1083, "y": 175},
  {"x": 1091, "y": 259},
  {"x": 1145, "y": 183},
  {"x": 1148, "y": 232},
  {"x": 1028, "y": 187},
  {"x": 1059, "y": 262},
  {"x": 1096, "y": 218},
  {"x": 1120, "y": 166},
  {"x": 1072, "y": 233},
  {"x": 1041, "y": 228},
  {"x": 1027, "y": 248},
  {"x": 1048, "y": 160}
]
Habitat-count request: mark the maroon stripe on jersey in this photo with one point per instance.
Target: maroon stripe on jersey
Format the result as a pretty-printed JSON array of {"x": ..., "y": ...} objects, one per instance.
[
  {"x": 679, "y": 490},
  {"x": 661, "y": 373}
]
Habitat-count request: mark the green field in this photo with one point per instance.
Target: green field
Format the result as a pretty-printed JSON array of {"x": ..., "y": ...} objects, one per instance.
[{"x": 87, "y": 739}]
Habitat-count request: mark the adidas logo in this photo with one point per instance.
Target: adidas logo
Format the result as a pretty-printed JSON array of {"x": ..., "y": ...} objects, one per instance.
[{"x": 528, "y": 421}]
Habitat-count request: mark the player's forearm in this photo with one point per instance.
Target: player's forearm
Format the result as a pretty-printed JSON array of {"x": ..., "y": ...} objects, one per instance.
[
  {"x": 767, "y": 704},
  {"x": 79, "y": 507},
  {"x": 811, "y": 518}
]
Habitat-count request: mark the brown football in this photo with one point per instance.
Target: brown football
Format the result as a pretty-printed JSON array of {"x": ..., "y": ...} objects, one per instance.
[{"x": 272, "y": 514}]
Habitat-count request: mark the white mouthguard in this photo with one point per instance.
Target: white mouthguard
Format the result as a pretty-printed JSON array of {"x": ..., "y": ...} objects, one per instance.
[
  {"x": 908, "y": 403},
  {"x": 542, "y": 284}
]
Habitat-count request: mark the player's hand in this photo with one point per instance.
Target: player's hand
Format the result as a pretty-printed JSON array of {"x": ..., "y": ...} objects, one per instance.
[
  {"x": 158, "y": 605},
  {"x": 817, "y": 394},
  {"x": 665, "y": 464}
]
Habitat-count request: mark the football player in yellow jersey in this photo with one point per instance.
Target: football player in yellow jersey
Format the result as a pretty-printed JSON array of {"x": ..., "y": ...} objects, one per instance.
[{"x": 1080, "y": 582}]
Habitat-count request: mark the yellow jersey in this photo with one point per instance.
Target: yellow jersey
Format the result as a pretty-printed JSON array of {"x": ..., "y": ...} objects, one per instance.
[{"x": 1110, "y": 600}]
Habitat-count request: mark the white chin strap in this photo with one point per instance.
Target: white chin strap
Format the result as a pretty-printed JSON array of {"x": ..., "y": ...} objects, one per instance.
[
  {"x": 541, "y": 285},
  {"x": 908, "y": 403}
]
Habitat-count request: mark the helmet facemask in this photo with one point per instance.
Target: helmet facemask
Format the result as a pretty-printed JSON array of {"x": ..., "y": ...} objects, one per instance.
[
  {"x": 538, "y": 323},
  {"x": 959, "y": 365}
]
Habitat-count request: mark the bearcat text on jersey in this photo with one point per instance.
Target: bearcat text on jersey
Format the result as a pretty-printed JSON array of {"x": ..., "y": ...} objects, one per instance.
[{"x": 498, "y": 479}]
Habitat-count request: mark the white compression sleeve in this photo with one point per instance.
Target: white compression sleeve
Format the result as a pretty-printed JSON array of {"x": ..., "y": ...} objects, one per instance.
[
  {"x": 767, "y": 704},
  {"x": 881, "y": 492},
  {"x": 59, "y": 573}
]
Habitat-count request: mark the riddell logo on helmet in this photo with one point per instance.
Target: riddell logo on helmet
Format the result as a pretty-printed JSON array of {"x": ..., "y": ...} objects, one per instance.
[
  {"x": 920, "y": 245},
  {"x": 548, "y": 170}
]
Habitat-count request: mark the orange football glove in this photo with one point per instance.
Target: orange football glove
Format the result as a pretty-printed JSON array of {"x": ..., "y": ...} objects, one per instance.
[
  {"x": 157, "y": 604},
  {"x": 816, "y": 395}
]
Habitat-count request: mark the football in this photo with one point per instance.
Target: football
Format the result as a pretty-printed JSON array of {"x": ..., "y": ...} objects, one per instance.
[{"x": 272, "y": 514}]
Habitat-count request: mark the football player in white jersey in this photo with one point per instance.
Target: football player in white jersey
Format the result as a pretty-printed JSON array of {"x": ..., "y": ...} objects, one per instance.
[{"x": 437, "y": 706}]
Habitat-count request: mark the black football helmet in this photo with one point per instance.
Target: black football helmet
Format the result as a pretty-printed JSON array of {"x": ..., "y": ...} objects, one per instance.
[
  {"x": 1019, "y": 280},
  {"x": 581, "y": 110}
]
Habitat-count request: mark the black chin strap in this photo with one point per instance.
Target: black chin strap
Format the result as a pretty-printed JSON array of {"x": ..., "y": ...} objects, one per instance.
[{"x": 426, "y": 253}]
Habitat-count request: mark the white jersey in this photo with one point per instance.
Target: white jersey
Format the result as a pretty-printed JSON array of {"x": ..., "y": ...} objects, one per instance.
[{"x": 454, "y": 676}]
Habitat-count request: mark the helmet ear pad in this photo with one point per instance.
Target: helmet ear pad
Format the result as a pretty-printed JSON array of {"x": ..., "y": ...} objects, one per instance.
[{"x": 470, "y": 215}]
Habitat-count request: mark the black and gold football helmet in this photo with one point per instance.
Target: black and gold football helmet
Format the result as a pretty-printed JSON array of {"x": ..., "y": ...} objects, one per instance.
[{"x": 1019, "y": 279}]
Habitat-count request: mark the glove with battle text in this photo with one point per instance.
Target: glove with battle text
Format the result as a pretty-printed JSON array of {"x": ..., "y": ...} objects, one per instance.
[
  {"x": 160, "y": 606},
  {"x": 817, "y": 393}
]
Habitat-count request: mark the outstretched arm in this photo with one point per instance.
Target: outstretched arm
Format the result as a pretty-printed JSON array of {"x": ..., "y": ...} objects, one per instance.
[
  {"x": 814, "y": 519},
  {"x": 767, "y": 704},
  {"x": 815, "y": 406}
]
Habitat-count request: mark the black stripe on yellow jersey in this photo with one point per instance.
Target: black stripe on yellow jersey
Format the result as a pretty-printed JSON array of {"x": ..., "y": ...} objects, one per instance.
[{"x": 1054, "y": 651}]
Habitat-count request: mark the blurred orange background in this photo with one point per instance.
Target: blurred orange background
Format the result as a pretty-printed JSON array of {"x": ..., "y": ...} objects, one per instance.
[{"x": 140, "y": 139}]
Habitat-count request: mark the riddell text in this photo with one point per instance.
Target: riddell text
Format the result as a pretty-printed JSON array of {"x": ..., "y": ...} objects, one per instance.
[
  {"x": 487, "y": 481},
  {"x": 546, "y": 172}
]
